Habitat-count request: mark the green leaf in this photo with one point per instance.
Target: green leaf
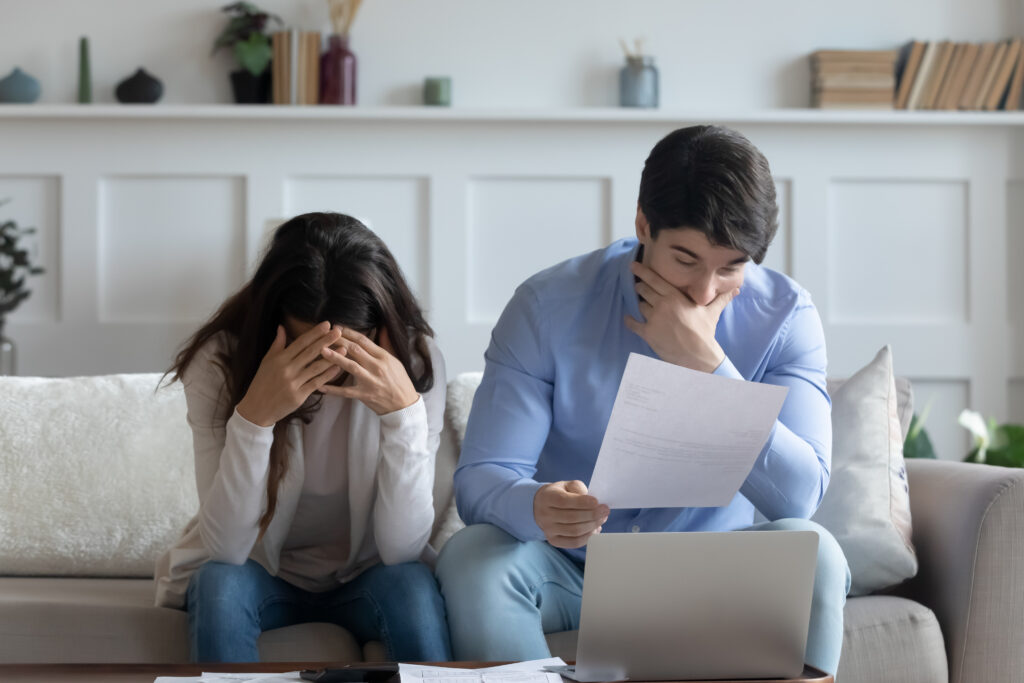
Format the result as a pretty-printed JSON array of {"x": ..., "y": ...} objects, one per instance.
[
  {"x": 254, "y": 54},
  {"x": 917, "y": 444}
]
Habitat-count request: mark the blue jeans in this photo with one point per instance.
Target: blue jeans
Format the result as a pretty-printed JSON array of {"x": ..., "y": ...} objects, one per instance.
[
  {"x": 503, "y": 595},
  {"x": 230, "y": 605}
]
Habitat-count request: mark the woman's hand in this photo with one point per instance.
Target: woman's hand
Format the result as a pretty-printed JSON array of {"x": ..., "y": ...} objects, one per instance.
[
  {"x": 380, "y": 380},
  {"x": 288, "y": 375}
]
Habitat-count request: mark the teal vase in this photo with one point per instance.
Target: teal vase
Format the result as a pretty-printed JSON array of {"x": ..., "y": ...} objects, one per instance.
[
  {"x": 84, "y": 72},
  {"x": 19, "y": 87}
]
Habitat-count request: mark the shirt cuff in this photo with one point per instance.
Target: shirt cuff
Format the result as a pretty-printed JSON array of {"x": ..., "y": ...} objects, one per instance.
[
  {"x": 727, "y": 369},
  {"x": 519, "y": 510},
  {"x": 249, "y": 428},
  {"x": 410, "y": 415}
]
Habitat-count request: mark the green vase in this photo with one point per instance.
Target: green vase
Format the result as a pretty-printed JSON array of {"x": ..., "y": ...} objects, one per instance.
[{"x": 84, "y": 72}]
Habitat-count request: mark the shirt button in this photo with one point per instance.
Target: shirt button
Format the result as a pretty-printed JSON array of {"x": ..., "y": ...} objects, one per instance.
[{"x": 636, "y": 528}]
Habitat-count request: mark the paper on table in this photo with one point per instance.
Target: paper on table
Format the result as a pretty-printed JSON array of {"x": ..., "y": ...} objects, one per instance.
[
  {"x": 517, "y": 672},
  {"x": 290, "y": 677},
  {"x": 681, "y": 438}
]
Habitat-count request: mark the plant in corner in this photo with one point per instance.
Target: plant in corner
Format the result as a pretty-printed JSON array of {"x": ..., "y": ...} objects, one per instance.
[
  {"x": 15, "y": 267},
  {"x": 994, "y": 444},
  {"x": 246, "y": 35}
]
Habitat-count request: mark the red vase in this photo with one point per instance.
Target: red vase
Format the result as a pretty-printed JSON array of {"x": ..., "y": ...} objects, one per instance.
[{"x": 338, "y": 72}]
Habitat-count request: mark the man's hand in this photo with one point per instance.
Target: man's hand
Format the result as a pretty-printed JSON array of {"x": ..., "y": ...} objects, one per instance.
[
  {"x": 567, "y": 515},
  {"x": 679, "y": 331}
]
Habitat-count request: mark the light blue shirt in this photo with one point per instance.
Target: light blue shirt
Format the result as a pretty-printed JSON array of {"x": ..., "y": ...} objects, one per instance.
[{"x": 553, "y": 367}]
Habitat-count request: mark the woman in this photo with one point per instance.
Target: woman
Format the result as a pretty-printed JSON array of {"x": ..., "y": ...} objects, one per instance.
[{"x": 316, "y": 397}]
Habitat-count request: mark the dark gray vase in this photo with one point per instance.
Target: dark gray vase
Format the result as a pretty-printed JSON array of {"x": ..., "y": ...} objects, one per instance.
[
  {"x": 19, "y": 87},
  {"x": 139, "y": 88}
]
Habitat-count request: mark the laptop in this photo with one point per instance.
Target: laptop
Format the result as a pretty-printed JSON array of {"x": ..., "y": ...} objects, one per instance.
[{"x": 695, "y": 605}]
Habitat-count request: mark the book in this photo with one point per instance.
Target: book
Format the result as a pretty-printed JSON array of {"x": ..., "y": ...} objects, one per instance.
[
  {"x": 855, "y": 80},
  {"x": 937, "y": 73},
  {"x": 977, "y": 75},
  {"x": 852, "y": 68},
  {"x": 293, "y": 66},
  {"x": 313, "y": 65},
  {"x": 282, "y": 71},
  {"x": 956, "y": 89},
  {"x": 1002, "y": 79},
  {"x": 884, "y": 56},
  {"x": 990, "y": 74},
  {"x": 923, "y": 74},
  {"x": 1013, "y": 95},
  {"x": 909, "y": 72},
  {"x": 947, "y": 80}
]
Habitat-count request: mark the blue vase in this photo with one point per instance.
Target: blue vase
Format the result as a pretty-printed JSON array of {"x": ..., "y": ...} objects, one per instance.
[
  {"x": 638, "y": 83},
  {"x": 139, "y": 88},
  {"x": 19, "y": 87}
]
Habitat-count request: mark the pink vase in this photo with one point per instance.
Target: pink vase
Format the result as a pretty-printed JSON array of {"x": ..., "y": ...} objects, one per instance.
[{"x": 338, "y": 72}]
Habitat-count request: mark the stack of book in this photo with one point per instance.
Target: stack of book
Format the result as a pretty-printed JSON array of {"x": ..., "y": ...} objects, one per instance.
[
  {"x": 948, "y": 75},
  {"x": 853, "y": 79},
  {"x": 296, "y": 67}
]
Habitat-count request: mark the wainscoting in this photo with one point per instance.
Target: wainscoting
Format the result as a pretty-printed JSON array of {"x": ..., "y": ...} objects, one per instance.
[{"x": 906, "y": 227}]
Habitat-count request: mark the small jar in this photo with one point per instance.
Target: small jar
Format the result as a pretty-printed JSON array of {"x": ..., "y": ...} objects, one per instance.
[{"x": 638, "y": 83}]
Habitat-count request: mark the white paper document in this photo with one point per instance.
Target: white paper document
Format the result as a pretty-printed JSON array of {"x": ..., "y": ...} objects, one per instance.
[
  {"x": 517, "y": 672},
  {"x": 290, "y": 677},
  {"x": 681, "y": 438}
]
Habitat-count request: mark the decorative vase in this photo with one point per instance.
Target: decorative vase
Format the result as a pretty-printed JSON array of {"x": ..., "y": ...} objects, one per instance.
[
  {"x": 84, "y": 72},
  {"x": 249, "y": 89},
  {"x": 7, "y": 353},
  {"x": 19, "y": 87},
  {"x": 638, "y": 83},
  {"x": 437, "y": 91},
  {"x": 338, "y": 72},
  {"x": 139, "y": 88}
]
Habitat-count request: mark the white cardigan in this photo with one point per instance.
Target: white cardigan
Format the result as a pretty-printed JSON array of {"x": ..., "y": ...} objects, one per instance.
[{"x": 390, "y": 482}]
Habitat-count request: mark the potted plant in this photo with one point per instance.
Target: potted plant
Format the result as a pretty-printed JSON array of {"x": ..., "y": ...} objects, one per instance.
[
  {"x": 15, "y": 267},
  {"x": 246, "y": 35}
]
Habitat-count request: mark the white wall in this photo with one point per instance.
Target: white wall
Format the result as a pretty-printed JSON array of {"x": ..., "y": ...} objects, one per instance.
[
  {"x": 529, "y": 53},
  {"x": 81, "y": 182}
]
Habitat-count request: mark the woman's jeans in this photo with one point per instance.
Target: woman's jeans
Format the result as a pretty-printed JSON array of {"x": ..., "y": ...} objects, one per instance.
[
  {"x": 503, "y": 595},
  {"x": 400, "y": 605}
]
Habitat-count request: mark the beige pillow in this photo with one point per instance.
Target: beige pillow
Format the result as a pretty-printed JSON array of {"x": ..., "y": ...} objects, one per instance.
[{"x": 867, "y": 505}]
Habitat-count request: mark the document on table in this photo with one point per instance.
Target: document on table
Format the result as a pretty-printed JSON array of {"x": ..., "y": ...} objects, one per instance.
[
  {"x": 681, "y": 438},
  {"x": 517, "y": 672},
  {"x": 290, "y": 677}
]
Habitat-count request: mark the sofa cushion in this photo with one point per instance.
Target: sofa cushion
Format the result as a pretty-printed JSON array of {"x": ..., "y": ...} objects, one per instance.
[
  {"x": 891, "y": 639},
  {"x": 96, "y": 474},
  {"x": 54, "y": 620},
  {"x": 867, "y": 504}
]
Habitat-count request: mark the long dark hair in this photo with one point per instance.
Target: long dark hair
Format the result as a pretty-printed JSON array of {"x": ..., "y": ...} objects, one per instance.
[{"x": 320, "y": 266}]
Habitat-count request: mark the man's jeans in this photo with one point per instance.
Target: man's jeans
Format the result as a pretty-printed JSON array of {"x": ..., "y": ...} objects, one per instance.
[
  {"x": 230, "y": 605},
  {"x": 503, "y": 595}
]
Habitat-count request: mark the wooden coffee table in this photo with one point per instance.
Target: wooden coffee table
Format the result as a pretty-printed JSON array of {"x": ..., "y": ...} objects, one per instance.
[{"x": 145, "y": 673}]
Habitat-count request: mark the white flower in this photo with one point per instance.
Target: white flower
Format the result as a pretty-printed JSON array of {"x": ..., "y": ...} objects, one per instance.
[{"x": 975, "y": 424}]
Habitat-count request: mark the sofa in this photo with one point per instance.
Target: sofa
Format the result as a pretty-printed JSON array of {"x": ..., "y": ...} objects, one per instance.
[{"x": 96, "y": 479}]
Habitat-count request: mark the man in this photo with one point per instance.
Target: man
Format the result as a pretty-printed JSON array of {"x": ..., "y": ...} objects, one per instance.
[{"x": 687, "y": 290}]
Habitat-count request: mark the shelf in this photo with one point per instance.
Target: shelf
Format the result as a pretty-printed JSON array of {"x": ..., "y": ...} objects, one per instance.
[{"x": 229, "y": 112}]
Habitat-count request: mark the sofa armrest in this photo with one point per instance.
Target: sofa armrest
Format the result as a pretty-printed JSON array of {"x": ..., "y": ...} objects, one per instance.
[{"x": 968, "y": 523}]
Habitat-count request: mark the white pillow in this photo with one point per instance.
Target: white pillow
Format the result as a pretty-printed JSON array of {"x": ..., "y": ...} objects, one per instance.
[
  {"x": 96, "y": 474},
  {"x": 867, "y": 505}
]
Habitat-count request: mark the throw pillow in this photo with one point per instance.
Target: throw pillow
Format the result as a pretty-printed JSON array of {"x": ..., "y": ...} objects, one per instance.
[
  {"x": 867, "y": 505},
  {"x": 96, "y": 474}
]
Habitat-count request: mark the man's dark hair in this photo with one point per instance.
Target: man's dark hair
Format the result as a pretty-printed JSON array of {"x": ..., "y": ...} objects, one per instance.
[{"x": 714, "y": 180}]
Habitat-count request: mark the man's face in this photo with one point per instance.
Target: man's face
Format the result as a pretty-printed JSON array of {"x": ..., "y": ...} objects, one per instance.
[{"x": 685, "y": 259}]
